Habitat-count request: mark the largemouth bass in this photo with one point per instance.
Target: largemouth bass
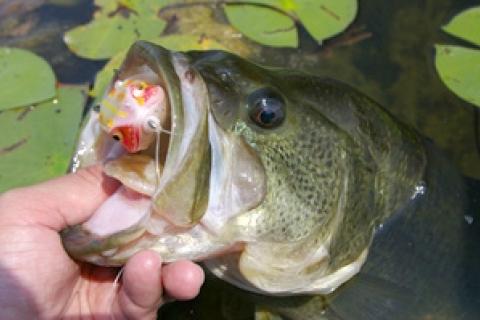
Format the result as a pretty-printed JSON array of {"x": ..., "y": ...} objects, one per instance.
[{"x": 292, "y": 187}]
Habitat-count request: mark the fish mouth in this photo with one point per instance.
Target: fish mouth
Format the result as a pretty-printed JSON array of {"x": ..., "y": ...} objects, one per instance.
[{"x": 175, "y": 166}]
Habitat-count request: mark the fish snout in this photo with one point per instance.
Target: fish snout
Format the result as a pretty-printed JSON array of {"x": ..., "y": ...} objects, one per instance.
[{"x": 128, "y": 136}]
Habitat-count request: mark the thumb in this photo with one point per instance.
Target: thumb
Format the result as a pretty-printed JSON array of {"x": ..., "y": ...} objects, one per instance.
[{"x": 64, "y": 201}]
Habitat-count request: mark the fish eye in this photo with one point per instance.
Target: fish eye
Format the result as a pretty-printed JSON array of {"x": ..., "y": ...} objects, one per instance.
[
  {"x": 117, "y": 135},
  {"x": 266, "y": 108}
]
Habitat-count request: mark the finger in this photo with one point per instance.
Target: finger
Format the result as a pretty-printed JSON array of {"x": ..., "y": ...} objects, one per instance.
[
  {"x": 141, "y": 293},
  {"x": 64, "y": 201},
  {"x": 182, "y": 280}
]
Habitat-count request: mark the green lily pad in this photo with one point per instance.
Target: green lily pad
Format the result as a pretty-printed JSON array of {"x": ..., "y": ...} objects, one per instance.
[
  {"x": 181, "y": 42},
  {"x": 105, "y": 7},
  {"x": 325, "y": 18},
  {"x": 284, "y": 5},
  {"x": 187, "y": 42},
  {"x": 145, "y": 7},
  {"x": 26, "y": 78},
  {"x": 37, "y": 141},
  {"x": 466, "y": 25},
  {"x": 138, "y": 7},
  {"x": 264, "y": 25},
  {"x": 104, "y": 37},
  {"x": 459, "y": 69}
]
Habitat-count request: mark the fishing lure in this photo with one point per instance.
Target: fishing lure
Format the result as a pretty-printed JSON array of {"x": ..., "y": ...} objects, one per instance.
[{"x": 133, "y": 112}]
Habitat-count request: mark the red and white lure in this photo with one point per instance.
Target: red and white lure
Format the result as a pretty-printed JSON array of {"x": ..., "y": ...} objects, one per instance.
[{"x": 134, "y": 112}]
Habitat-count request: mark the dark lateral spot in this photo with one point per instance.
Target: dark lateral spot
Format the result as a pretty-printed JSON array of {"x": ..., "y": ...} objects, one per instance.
[
  {"x": 189, "y": 75},
  {"x": 58, "y": 110}
]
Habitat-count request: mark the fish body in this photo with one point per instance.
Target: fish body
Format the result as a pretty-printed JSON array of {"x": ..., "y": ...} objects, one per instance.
[{"x": 292, "y": 187}]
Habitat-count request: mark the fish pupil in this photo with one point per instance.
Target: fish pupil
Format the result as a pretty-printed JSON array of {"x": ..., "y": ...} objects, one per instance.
[{"x": 267, "y": 116}]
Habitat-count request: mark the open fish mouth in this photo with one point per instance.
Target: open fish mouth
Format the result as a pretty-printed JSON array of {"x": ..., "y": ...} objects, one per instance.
[{"x": 146, "y": 204}]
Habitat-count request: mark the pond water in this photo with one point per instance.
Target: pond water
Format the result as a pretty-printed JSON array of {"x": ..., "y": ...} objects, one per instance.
[{"x": 387, "y": 53}]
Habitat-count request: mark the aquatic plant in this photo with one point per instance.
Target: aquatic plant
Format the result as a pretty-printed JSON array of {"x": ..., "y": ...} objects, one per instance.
[
  {"x": 38, "y": 117},
  {"x": 118, "y": 23},
  {"x": 459, "y": 66}
]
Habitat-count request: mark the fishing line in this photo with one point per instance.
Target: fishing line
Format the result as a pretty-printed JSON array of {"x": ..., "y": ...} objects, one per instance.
[
  {"x": 157, "y": 158},
  {"x": 111, "y": 297}
]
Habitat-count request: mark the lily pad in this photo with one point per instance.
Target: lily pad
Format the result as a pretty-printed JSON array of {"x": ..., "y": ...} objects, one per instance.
[
  {"x": 325, "y": 18},
  {"x": 104, "y": 37},
  {"x": 466, "y": 25},
  {"x": 138, "y": 7},
  {"x": 26, "y": 78},
  {"x": 37, "y": 141},
  {"x": 145, "y": 7},
  {"x": 105, "y": 7},
  {"x": 262, "y": 24},
  {"x": 459, "y": 69},
  {"x": 186, "y": 42}
]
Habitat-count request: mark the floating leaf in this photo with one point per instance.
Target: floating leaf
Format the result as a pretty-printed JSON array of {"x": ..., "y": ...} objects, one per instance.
[
  {"x": 144, "y": 7},
  {"x": 26, "y": 78},
  {"x": 104, "y": 37},
  {"x": 37, "y": 142},
  {"x": 466, "y": 25},
  {"x": 325, "y": 18},
  {"x": 105, "y": 7},
  {"x": 459, "y": 69},
  {"x": 285, "y": 5},
  {"x": 137, "y": 7},
  {"x": 186, "y": 42},
  {"x": 262, "y": 24},
  {"x": 172, "y": 42}
]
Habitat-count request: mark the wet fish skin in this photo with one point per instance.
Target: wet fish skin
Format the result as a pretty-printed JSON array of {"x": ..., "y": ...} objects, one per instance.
[{"x": 342, "y": 176}]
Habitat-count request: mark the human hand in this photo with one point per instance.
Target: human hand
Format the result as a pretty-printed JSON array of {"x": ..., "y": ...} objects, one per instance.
[{"x": 39, "y": 280}]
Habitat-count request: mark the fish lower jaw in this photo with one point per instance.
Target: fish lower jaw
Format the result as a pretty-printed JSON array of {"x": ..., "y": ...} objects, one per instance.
[{"x": 127, "y": 223}]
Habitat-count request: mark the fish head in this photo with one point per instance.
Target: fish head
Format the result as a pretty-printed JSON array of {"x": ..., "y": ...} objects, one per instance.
[{"x": 278, "y": 179}]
